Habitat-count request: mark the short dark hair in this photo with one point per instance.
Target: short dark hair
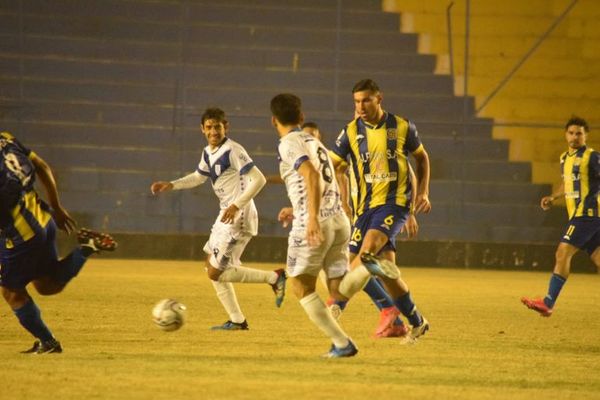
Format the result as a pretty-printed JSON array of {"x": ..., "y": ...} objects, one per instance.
[
  {"x": 287, "y": 108},
  {"x": 214, "y": 113},
  {"x": 575, "y": 120},
  {"x": 365, "y": 84},
  {"x": 310, "y": 124}
]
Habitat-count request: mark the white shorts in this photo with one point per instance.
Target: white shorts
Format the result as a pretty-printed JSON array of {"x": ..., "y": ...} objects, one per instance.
[
  {"x": 331, "y": 256},
  {"x": 225, "y": 246}
]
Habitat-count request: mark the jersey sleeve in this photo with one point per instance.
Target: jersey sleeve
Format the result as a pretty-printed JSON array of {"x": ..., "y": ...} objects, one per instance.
[
  {"x": 15, "y": 142},
  {"x": 594, "y": 165},
  {"x": 240, "y": 160},
  {"x": 341, "y": 147},
  {"x": 293, "y": 153},
  {"x": 412, "y": 142},
  {"x": 203, "y": 165}
]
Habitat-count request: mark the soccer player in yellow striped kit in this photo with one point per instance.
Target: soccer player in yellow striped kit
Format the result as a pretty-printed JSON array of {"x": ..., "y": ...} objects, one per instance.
[
  {"x": 580, "y": 166},
  {"x": 374, "y": 147}
]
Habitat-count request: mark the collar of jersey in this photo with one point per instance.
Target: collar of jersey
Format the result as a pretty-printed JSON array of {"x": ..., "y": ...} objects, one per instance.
[
  {"x": 219, "y": 146},
  {"x": 582, "y": 149},
  {"x": 379, "y": 124}
]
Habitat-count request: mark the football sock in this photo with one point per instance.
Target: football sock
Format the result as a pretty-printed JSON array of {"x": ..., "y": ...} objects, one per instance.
[
  {"x": 247, "y": 275},
  {"x": 321, "y": 317},
  {"x": 554, "y": 288},
  {"x": 70, "y": 266},
  {"x": 354, "y": 281},
  {"x": 227, "y": 297},
  {"x": 30, "y": 317},
  {"x": 378, "y": 294},
  {"x": 407, "y": 307}
]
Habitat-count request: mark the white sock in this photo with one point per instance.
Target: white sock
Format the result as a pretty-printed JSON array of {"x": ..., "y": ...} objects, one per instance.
[
  {"x": 226, "y": 295},
  {"x": 248, "y": 275},
  {"x": 354, "y": 281},
  {"x": 321, "y": 317}
]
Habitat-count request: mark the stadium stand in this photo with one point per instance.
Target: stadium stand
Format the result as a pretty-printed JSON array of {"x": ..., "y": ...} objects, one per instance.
[{"x": 110, "y": 93}]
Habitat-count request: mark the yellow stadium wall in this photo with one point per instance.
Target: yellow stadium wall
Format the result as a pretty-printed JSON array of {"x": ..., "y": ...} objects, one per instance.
[{"x": 561, "y": 78}]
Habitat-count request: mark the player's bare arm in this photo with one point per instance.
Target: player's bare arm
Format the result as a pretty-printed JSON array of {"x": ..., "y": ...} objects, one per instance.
[
  {"x": 341, "y": 170},
  {"x": 411, "y": 227},
  {"x": 422, "y": 203},
  {"x": 547, "y": 201},
  {"x": 285, "y": 216},
  {"x": 63, "y": 220},
  {"x": 161, "y": 186},
  {"x": 314, "y": 236}
]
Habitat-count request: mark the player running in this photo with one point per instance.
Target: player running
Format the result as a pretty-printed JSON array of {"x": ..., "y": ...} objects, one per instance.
[
  {"x": 236, "y": 181},
  {"x": 374, "y": 148},
  {"x": 27, "y": 239},
  {"x": 320, "y": 230}
]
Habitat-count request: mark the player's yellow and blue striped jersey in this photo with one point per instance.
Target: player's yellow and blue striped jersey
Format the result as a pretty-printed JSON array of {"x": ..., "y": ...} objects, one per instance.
[
  {"x": 377, "y": 156},
  {"x": 581, "y": 176},
  {"x": 22, "y": 213}
]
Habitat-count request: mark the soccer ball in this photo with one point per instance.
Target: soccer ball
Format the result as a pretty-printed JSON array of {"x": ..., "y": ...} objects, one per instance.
[{"x": 169, "y": 315}]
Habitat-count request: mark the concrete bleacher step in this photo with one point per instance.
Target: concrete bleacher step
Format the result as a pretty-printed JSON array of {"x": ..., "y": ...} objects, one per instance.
[
  {"x": 496, "y": 67},
  {"x": 321, "y": 14},
  {"x": 540, "y": 109},
  {"x": 86, "y": 109},
  {"x": 121, "y": 53},
  {"x": 478, "y": 8},
  {"x": 500, "y": 171},
  {"x": 132, "y": 78},
  {"x": 509, "y": 46},
  {"x": 561, "y": 87},
  {"x": 169, "y": 10},
  {"x": 294, "y": 37}
]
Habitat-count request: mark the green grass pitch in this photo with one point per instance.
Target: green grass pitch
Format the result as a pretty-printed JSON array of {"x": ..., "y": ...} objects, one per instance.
[{"x": 483, "y": 344}]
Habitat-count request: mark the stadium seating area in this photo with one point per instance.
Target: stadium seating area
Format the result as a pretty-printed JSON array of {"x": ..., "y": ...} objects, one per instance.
[
  {"x": 110, "y": 93},
  {"x": 560, "y": 78}
]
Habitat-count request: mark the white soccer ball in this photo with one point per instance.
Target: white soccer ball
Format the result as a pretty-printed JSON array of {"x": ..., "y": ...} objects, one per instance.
[{"x": 169, "y": 315}]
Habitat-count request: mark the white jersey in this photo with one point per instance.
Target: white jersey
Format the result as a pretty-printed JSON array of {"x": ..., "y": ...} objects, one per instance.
[
  {"x": 295, "y": 148},
  {"x": 226, "y": 167}
]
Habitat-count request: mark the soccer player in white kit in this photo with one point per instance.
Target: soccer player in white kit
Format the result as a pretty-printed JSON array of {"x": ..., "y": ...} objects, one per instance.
[
  {"x": 236, "y": 181},
  {"x": 320, "y": 229}
]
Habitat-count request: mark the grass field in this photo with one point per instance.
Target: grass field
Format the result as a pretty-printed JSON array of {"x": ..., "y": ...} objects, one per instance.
[{"x": 483, "y": 343}]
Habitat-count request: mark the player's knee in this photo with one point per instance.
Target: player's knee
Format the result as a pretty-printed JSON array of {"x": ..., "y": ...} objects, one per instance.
[
  {"x": 15, "y": 298},
  {"x": 213, "y": 273}
]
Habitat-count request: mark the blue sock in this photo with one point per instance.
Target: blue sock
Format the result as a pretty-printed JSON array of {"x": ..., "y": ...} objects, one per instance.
[
  {"x": 407, "y": 307},
  {"x": 70, "y": 266},
  {"x": 554, "y": 288},
  {"x": 30, "y": 317},
  {"x": 378, "y": 295}
]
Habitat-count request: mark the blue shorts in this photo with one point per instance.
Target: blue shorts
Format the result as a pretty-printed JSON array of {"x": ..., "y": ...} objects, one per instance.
[
  {"x": 388, "y": 218},
  {"x": 31, "y": 260},
  {"x": 583, "y": 233}
]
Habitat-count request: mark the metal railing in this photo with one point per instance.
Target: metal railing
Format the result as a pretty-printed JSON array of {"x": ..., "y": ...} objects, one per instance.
[{"x": 469, "y": 121}]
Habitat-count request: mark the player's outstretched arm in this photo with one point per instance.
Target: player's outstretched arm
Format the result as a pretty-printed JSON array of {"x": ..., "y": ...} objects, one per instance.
[
  {"x": 161, "y": 186},
  {"x": 187, "y": 182},
  {"x": 44, "y": 173}
]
